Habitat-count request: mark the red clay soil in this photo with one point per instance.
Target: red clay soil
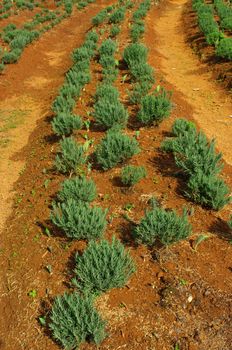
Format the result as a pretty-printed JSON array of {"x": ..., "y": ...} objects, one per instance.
[{"x": 179, "y": 295}]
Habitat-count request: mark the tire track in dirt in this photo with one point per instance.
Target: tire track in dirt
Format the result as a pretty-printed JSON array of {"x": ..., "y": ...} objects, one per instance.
[
  {"x": 212, "y": 108},
  {"x": 27, "y": 89}
]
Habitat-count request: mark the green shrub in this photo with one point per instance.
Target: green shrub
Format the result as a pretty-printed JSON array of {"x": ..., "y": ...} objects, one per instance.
[
  {"x": 99, "y": 18},
  {"x": 109, "y": 113},
  {"x": 81, "y": 54},
  {"x": 131, "y": 174},
  {"x": 194, "y": 154},
  {"x": 154, "y": 108},
  {"x": 137, "y": 31},
  {"x": 115, "y": 148},
  {"x": 162, "y": 225},
  {"x": 142, "y": 72},
  {"x": 63, "y": 104},
  {"x": 64, "y": 124},
  {"x": 78, "y": 220},
  {"x": 107, "y": 61},
  {"x": 140, "y": 89},
  {"x": 118, "y": 15},
  {"x": 70, "y": 157},
  {"x": 79, "y": 189},
  {"x": 103, "y": 266},
  {"x": 92, "y": 36},
  {"x": 115, "y": 30},
  {"x": 226, "y": 23},
  {"x": 208, "y": 190},
  {"x": 106, "y": 91},
  {"x": 11, "y": 57},
  {"x": 75, "y": 320},
  {"x": 224, "y": 48},
  {"x": 181, "y": 126},
  {"x": 107, "y": 48},
  {"x": 109, "y": 75},
  {"x": 135, "y": 54}
]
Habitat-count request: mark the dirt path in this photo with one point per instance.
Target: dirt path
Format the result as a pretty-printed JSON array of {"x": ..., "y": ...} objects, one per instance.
[
  {"x": 212, "y": 108},
  {"x": 27, "y": 90}
]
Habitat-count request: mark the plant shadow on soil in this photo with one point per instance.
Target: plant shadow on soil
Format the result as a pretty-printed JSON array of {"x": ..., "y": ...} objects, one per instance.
[{"x": 221, "y": 228}]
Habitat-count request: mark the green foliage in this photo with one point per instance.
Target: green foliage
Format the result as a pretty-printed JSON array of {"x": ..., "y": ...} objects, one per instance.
[
  {"x": 115, "y": 30},
  {"x": 224, "y": 48},
  {"x": 75, "y": 320},
  {"x": 181, "y": 126},
  {"x": 140, "y": 89},
  {"x": 103, "y": 266},
  {"x": 118, "y": 15},
  {"x": 64, "y": 124},
  {"x": 115, "y": 148},
  {"x": 142, "y": 72},
  {"x": 142, "y": 10},
  {"x": 162, "y": 225},
  {"x": 137, "y": 30},
  {"x": 110, "y": 112},
  {"x": 196, "y": 156},
  {"x": 107, "y": 48},
  {"x": 131, "y": 174},
  {"x": 63, "y": 104},
  {"x": 79, "y": 189},
  {"x": 154, "y": 108},
  {"x": 208, "y": 190},
  {"x": 78, "y": 220},
  {"x": 99, "y": 18},
  {"x": 70, "y": 157},
  {"x": 11, "y": 57},
  {"x": 106, "y": 91},
  {"x": 135, "y": 54}
]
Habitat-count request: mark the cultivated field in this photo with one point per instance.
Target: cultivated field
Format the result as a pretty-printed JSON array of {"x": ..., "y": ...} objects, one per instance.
[{"x": 116, "y": 168}]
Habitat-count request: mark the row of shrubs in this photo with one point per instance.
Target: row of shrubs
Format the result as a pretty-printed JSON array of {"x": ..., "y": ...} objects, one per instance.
[
  {"x": 138, "y": 28},
  {"x": 209, "y": 27},
  {"x": 18, "y": 39},
  {"x": 200, "y": 163},
  {"x": 103, "y": 265}
]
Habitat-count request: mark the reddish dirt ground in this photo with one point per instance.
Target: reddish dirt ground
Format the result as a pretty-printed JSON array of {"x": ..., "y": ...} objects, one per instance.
[{"x": 179, "y": 295}]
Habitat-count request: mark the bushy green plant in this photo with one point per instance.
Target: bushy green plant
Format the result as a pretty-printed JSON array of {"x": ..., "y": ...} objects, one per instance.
[
  {"x": 208, "y": 190},
  {"x": 107, "y": 48},
  {"x": 131, "y": 174},
  {"x": 224, "y": 48},
  {"x": 115, "y": 30},
  {"x": 79, "y": 189},
  {"x": 154, "y": 108},
  {"x": 78, "y": 220},
  {"x": 106, "y": 91},
  {"x": 109, "y": 75},
  {"x": 194, "y": 154},
  {"x": 81, "y": 54},
  {"x": 99, "y": 18},
  {"x": 115, "y": 148},
  {"x": 142, "y": 72},
  {"x": 70, "y": 157},
  {"x": 107, "y": 61},
  {"x": 11, "y": 56},
  {"x": 181, "y": 126},
  {"x": 118, "y": 15},
  {"x": 64, "y": 124},
  {"x": 103, "y": 266},
  {"x": 137, "y": 30},
  {"x": 75, "y": 320},
  {"x": 63, "y": 104},
  {"x": 109, "y": 113},
  {"x": 135, "y": 54},
  {"x": 140, "y": 89},
  {"x": 162, "y": 225}
]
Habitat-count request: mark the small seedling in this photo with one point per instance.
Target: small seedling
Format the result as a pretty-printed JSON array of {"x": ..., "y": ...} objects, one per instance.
[
  {"x": 42, "y": 320},
  {"x": 199, "y": 239},
  {"x": 32, "y": 293},
  {"x": 128, "y": 207},
  {"x": 47, "y": 231},
  {"x": 49, "y": 268}
]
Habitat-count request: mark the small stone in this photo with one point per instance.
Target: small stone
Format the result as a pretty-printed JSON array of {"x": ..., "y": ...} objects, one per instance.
[{"x": 190, "y": 298}]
